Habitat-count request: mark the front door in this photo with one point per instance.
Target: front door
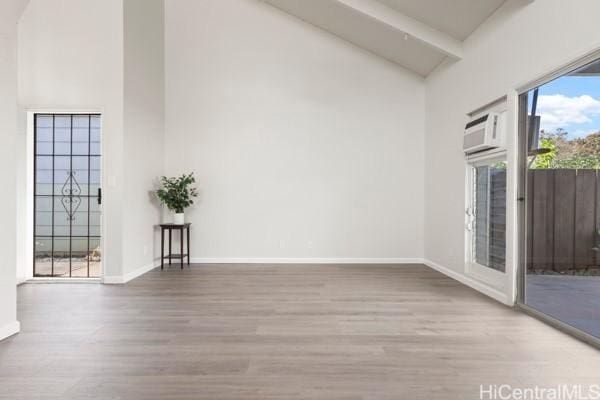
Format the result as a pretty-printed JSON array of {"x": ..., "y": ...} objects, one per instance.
[{"x": 67, "y": 195}]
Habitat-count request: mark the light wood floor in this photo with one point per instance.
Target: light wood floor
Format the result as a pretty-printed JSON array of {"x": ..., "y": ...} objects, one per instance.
[{"x": 279, "y": 332}]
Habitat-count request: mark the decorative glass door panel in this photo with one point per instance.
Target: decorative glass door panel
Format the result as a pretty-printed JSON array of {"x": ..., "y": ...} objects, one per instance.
[{"x": 67, "y": 195}]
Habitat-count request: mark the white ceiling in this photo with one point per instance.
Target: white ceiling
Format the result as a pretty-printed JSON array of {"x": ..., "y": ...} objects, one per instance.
[
  {"x": 457, "y": 18},
  {"x": 416, "y": 34}
]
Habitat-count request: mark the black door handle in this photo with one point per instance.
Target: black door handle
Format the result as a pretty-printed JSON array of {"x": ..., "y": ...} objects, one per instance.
[{"x": 99, "y": 196}]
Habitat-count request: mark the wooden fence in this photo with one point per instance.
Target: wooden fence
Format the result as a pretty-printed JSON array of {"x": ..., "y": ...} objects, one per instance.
[{"x": 563, "y": 214}]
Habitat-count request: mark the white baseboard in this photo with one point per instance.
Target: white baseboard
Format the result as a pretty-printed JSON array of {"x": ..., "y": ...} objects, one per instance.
[
  {"x": 472, "y": 283},
  {"x": 21, "y": 280},
  {"x": 479, "y": 286},
  {"x": 9, "y": 329},
  {"x": 122, "y": 279},
  {"x": 61, "y": 280},
  {"x": 268, "y": 260},
  {"x": 119, "y": 280}
]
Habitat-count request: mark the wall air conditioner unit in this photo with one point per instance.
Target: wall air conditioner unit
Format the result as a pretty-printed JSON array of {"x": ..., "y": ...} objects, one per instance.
[{"x": 485, "y": 132}]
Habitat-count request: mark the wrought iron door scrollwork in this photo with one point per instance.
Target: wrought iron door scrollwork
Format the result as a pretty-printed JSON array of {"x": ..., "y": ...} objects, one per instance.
[{"x": 71, "y": 195}]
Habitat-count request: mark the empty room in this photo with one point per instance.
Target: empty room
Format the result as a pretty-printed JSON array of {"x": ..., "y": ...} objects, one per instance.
[{"x": 300, "y": 199}]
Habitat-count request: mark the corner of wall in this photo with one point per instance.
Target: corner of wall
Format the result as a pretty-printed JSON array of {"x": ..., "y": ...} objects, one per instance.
[
  {"x": 122, "y": 279},
  {"x": 144, "y": 127},
  {"x": 8, "y": 169}
]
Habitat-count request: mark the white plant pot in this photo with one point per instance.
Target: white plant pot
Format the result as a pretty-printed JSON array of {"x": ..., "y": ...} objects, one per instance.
[{"x": 179, "y": 218}]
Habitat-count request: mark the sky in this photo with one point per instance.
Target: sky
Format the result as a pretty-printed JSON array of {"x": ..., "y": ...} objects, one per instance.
[{"x": 571, "y": 103}]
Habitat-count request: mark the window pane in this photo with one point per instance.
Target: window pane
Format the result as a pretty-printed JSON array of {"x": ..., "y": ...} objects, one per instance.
[
  {"x": 95, "y": 175},
  {"x": 95, "y": 255},
  {"x": 61, "y": 256},
  {"x": 62, "y": 172},
  {"x": 95, "y": 217},
  {"x": 80, "y": 221},
  {"x": 62, "y": 148},
  {"x": 95, "y": 134},
  {"x": 489, "y": 237},
  {"x": 43, "y": 134},
  {"x": 95, "y": 148},
  {"x": 80, "y": 175},
  {"x": 43, "y": 121},
  {"x": 43, "y": 148},
  {"x": 62, "y": 222},
  {"x": 43, "y": 163},
  {"x": 81, "y": 134},
  {"x": 80, "y": 148},
  {"x": 81, "y": 121},
  {"x": 43, "y": 256},
  {"x": 43, "y": 175},
  {"x": 79, "y": 253},
  {"x": 62, "y": 134},
  {"x": 43, "y": 216}
]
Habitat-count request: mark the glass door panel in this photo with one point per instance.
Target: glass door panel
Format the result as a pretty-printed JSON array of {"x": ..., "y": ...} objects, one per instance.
[
  {"x": 67, "y": 231},
  {"x": 560, "y": 127}
]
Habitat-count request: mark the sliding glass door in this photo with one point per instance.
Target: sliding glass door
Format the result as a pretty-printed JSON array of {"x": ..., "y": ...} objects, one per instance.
[
  {"x": 67, "y": 195},
  {"x": 560, "y": 132}
]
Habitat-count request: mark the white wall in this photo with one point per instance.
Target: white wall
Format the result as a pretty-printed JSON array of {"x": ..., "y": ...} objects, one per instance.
[
  {"x": 304, "y": 146},
  {"x": 71, "y": 58},
  {"x": 109, "y": 57},
  {"x": 9, "y": 11},
  {"x": 519, "y": 43},
  {"x": 143, "y": 130}
]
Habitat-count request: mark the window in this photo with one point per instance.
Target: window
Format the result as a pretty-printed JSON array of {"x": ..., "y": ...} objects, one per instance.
[{"x": 487, "y": 214}]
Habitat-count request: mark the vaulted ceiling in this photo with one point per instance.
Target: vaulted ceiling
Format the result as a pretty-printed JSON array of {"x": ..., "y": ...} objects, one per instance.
[{"x": 416, "y": 34}]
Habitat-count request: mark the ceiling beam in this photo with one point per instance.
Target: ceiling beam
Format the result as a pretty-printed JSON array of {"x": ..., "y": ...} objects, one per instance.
[
  {"x": 22, "y": 5},
  {"x": 11, "y": 11},
  {"x": 411, "y": 27}
]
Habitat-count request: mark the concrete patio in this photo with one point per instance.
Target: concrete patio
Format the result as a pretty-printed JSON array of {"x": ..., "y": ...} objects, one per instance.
[{"x": 574, "y": 300}]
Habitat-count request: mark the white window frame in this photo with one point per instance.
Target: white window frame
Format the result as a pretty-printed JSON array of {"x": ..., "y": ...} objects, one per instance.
[{"x": 473, "y": 269}]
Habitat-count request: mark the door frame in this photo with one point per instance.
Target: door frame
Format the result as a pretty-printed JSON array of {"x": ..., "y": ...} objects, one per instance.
[{"x": 30, "y": 192}]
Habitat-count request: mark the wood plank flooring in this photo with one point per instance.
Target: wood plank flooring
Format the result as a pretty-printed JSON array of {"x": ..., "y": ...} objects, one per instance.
[{"x": 358, "y": 332}]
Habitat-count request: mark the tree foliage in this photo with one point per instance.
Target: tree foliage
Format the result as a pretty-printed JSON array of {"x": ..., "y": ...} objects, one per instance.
[
  {"x": 545, "y": 161},
  {"x": 578, "y": 153},
  {"x": 177, "y": 193}
]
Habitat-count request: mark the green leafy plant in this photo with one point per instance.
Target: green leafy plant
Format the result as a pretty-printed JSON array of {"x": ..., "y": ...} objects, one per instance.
[
  {"x": 565, "y": 153},
  {"x": 544, "y": 161},
  {"x": 177, "y": 193}
]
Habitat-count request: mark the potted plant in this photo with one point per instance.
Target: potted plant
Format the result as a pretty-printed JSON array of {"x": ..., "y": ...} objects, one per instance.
[{"x": 177, "y": 194}]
